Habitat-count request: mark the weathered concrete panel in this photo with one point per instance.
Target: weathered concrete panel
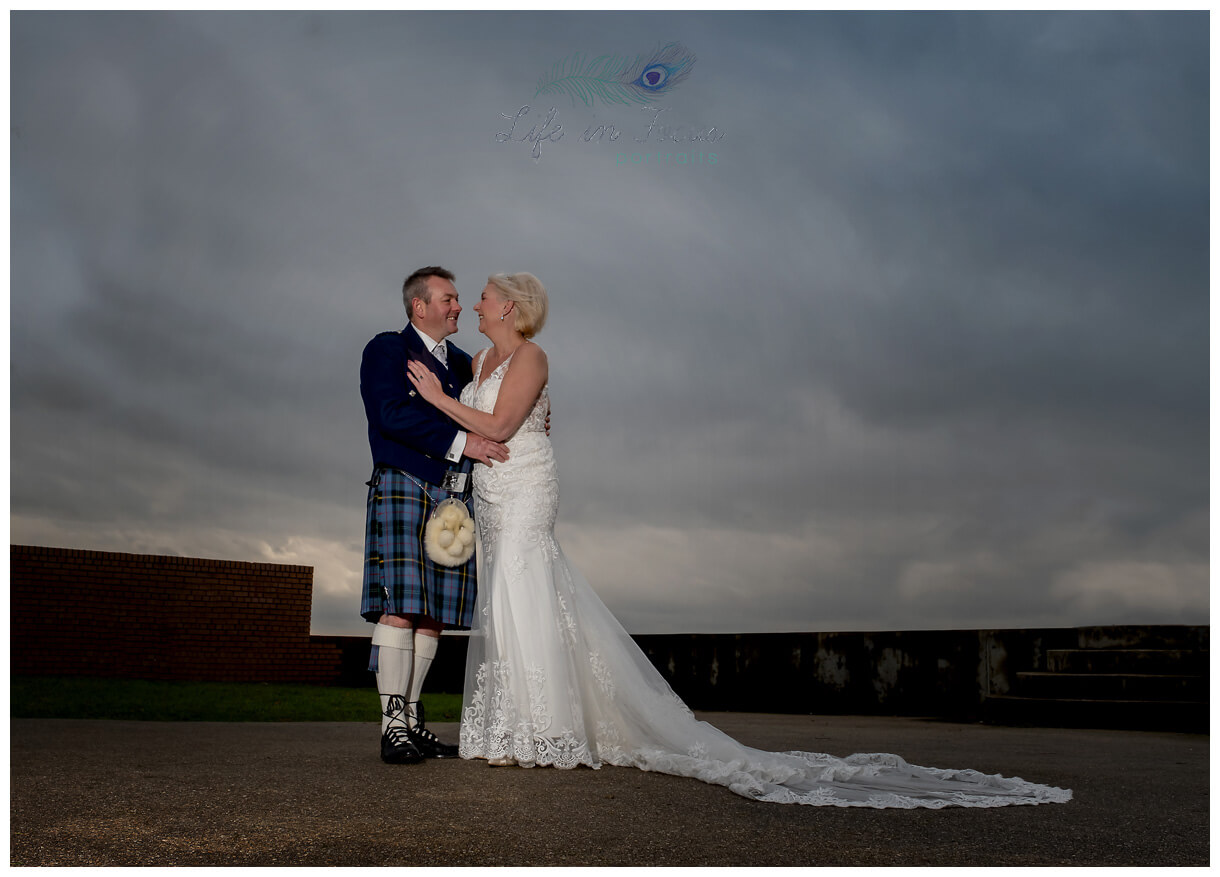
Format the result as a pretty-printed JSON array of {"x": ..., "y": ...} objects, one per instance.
[{"x": 944, "y": 673}]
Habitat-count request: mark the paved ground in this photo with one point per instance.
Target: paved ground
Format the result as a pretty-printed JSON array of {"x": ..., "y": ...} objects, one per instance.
[{"x": 145, "y": 793}]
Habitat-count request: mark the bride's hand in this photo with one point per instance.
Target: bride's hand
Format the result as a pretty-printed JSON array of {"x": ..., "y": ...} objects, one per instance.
[{"x": 425, "y": 381}]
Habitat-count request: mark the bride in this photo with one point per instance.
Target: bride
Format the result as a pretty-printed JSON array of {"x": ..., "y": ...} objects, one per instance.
[{"x": 551, "y": 676}]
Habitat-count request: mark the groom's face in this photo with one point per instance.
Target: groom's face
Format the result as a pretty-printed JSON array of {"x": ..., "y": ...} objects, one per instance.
[{"x": 438, "y": 316}]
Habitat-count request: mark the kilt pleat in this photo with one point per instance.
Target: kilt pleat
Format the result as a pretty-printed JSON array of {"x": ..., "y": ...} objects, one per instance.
[{"x": 398, "y": 577}]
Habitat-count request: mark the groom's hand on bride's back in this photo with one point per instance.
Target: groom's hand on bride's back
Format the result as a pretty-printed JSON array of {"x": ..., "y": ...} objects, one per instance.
[{"x": 485, "y": 450}]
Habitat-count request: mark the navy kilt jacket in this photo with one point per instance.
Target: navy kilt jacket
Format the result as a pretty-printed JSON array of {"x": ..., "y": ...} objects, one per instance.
[
  {"x": 405, "y": 432},
  {"x": 408, "y": 434}
]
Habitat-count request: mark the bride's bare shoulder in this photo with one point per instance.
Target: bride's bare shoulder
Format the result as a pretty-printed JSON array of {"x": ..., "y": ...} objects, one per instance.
[{"x": 532, "y": 350}]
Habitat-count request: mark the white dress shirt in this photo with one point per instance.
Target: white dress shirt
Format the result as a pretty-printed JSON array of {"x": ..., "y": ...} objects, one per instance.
[{"x": 459, "y": 442}]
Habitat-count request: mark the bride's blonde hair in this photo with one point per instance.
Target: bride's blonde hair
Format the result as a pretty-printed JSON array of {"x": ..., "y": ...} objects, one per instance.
[{"x": 530, "y": 297}]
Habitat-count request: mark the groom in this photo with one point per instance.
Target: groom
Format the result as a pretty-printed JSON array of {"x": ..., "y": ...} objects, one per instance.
[{"x": 420, "y": 457}]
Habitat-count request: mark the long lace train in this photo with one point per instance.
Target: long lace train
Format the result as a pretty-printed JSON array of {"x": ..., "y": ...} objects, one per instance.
[{"x": 553, "y": 679}]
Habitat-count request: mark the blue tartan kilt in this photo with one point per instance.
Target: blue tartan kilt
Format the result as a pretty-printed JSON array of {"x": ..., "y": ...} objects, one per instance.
[{"x": 398, "y": 577}]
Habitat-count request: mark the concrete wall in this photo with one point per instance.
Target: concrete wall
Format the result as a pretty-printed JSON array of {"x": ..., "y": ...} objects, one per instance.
[
  {"x": 947, "y": 673},
  {"x": 944, "y": 673},
  {"x": 895, "y": 673}
]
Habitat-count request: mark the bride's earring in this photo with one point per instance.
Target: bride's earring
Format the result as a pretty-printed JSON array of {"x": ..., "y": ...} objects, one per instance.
[{"x": 502, "y": 317}]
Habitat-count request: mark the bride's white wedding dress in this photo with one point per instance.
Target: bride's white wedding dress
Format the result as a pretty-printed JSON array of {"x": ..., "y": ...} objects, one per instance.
[{"x": 553, "y": 679}]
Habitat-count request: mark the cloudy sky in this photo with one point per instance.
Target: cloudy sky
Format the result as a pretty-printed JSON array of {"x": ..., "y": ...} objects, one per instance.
[{"x": 924, "y": 345}]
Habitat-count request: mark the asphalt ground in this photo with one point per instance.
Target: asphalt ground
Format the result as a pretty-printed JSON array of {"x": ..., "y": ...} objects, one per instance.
[{"x": 114, "y": 793}]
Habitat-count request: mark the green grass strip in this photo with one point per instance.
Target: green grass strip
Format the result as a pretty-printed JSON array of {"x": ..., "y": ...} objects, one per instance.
[{"x": 57, "y": 697}]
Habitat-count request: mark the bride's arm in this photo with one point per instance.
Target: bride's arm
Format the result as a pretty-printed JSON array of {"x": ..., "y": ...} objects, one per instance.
[{"x": 526, "y": 377}]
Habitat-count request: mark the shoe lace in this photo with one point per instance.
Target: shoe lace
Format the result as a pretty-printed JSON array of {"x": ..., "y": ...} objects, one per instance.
[
  {"x": 419, "y": 730},
  {"x": 398, "y": 735},
  {"x": 395, "y": 704}
]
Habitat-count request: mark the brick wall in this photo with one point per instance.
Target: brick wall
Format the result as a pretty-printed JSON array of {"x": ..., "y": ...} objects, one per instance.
[{"x": 100, "y": 613}]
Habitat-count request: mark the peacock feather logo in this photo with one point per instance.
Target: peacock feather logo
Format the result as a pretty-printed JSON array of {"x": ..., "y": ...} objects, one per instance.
[{"x": 619, "y": 79}]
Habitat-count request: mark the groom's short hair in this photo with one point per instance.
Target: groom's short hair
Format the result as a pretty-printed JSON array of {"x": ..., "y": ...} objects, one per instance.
[{"x": 416, "y": 286}]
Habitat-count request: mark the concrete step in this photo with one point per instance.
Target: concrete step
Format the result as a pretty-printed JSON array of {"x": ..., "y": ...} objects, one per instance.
[
  {"x": 1169, "y": 662},
  {"x": 1112, "y": 686},
  {"x": 1162, "y": 636},
  {"x": 1135, "y": 715}
]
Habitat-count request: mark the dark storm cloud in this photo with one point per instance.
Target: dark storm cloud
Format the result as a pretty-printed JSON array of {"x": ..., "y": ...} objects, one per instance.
[{"x": 927, "y": 347}]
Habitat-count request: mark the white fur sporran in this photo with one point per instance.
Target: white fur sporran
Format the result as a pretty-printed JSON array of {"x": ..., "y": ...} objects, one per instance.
[{"x": 449, "y": 533}]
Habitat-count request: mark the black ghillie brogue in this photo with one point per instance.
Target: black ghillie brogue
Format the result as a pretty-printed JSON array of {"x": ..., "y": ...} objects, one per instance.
[
  {"x": 397, "y": 747},
  {"x": 425, "y": 741}
]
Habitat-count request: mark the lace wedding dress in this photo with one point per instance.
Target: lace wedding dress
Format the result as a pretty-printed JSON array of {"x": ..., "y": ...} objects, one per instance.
[{"x": 553, "y": 679}]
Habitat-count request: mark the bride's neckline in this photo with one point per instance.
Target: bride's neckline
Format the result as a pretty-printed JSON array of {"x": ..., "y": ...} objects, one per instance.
[{"x": 479, "y": 380}]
